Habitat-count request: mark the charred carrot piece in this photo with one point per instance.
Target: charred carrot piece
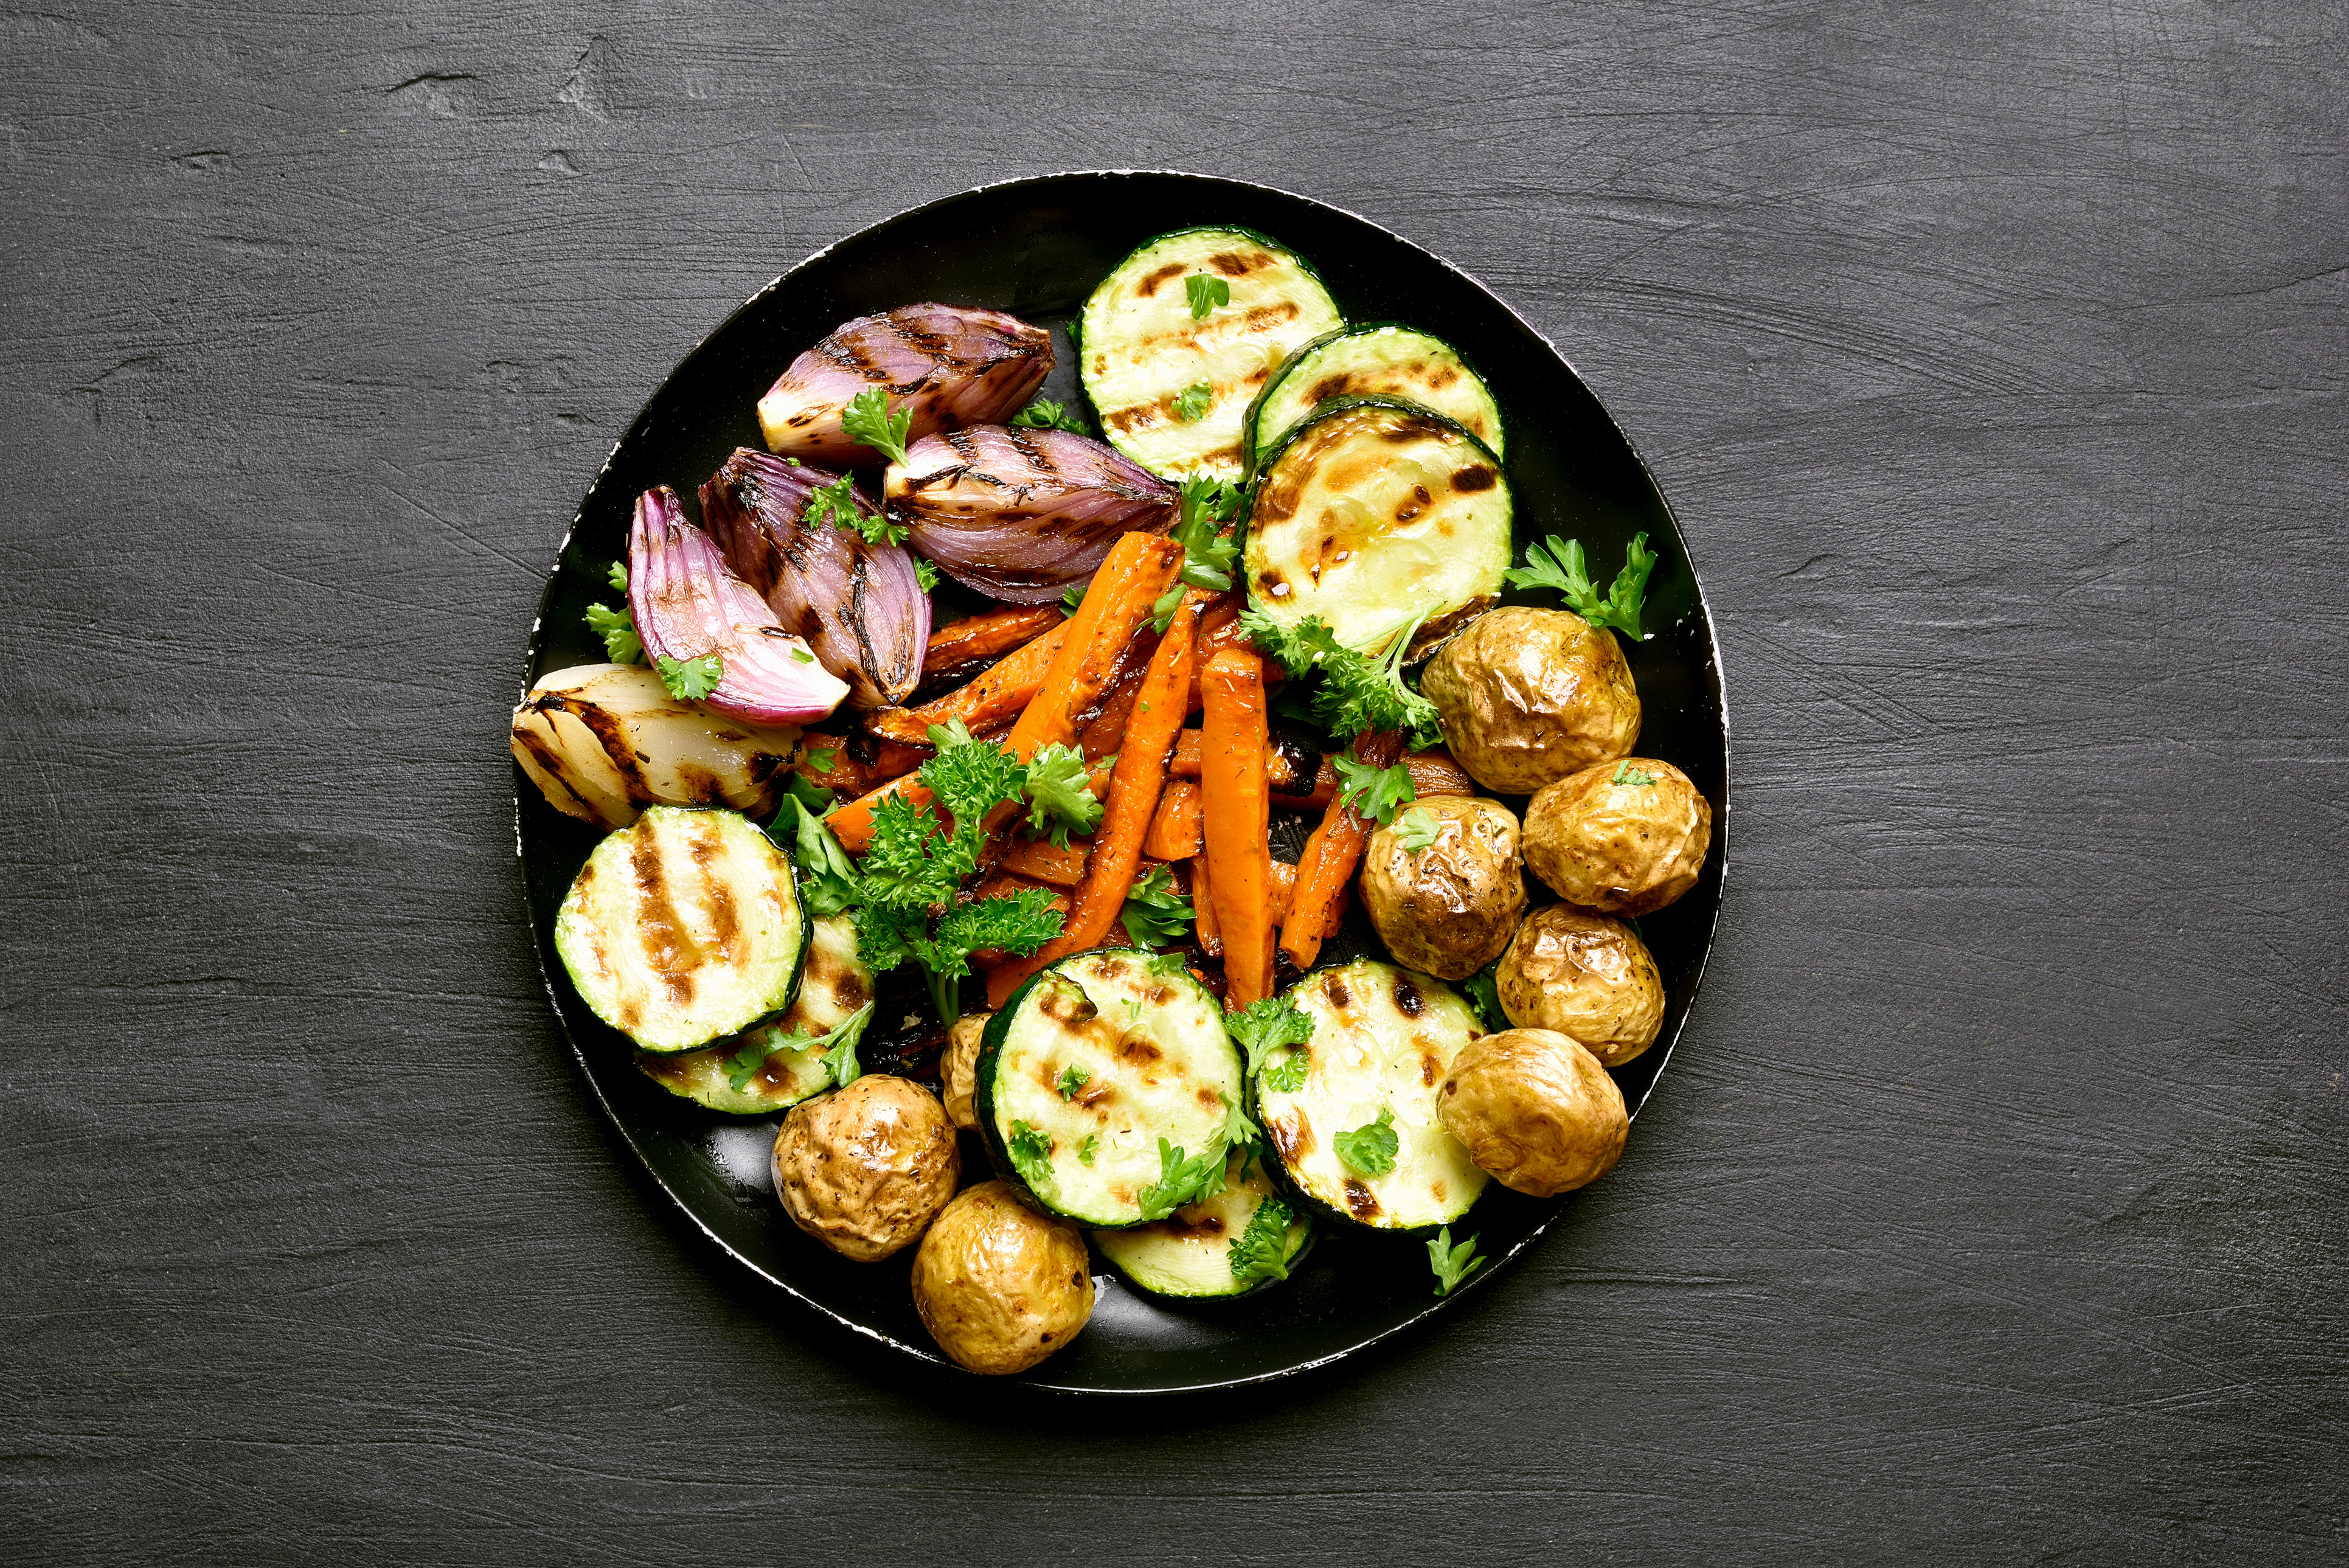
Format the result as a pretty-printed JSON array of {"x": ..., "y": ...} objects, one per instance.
[
  {"x": 1138, "y": 569},
  {"x": 1236, "y": 808},
  {"x": 1329, "y": 862},
  {"x": 1203, "y": 905},
  {"x": 1435, "y": 773},
  {"x": 976, "y": 641},
  {"x": 1046, "y": 861},
  {"x": 1175, "y": 828},
  {"x": 995, "y": 698}
]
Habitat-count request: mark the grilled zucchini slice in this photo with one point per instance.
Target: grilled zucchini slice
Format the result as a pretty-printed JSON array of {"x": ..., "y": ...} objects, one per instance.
[
  {"x": 1218, "y": 1246},
  {"x": 1384, "y": 1038},
  {"x": 1172, "y": 390},
  {"x": 683, "y": 928},
  {"x": 1375, "y": 359},
  {"x": 1090, "y": 1069},
  {"x": 835, "y": 986},
  {"x": 1375, "y": 513}
]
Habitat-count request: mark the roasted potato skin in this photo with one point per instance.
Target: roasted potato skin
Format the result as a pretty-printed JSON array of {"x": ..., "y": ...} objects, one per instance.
[
  {"x": 1586, "y": 976},
  {"x": 957, "y": 1066},
  {"x": 1536, "y": 1110},
  {"x": 1450, "y": 909},
  {"x": 1623, "y": 837},
  {"x": 999, "y": 1286},
  {"x": 1527, "y": 695},
  {"x": 865, "y": 1169}
]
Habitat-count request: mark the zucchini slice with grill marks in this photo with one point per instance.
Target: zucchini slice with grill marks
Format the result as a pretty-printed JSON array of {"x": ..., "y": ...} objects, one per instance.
[
  {"x": 1375, "y": 513},
  {"x": 1172, "y": 390},
  {"x": 683, "y": 928},
  {"x": 1351, "y": 1113},
  {"x": 758, "y": 1073},
  {"x": 1239, "y": 1241},
  {"x": 1376, "y": 359},
  {"x": 1095, "y": 1073}
]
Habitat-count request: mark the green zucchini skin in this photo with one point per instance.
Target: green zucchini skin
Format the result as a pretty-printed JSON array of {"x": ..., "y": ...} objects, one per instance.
[
  {"x": 1187, "y": 1255},
  {"x": 1372, "y": 511},
  {"x": 1374, "y": 360},
  {"x": 834, "y": 985},
  {"x": 1174, "y": 1030},
  {"x": 1140, "y": 347},
  {"x": 1382, "y": 1037},
  {"x": 683, "y": 928}
]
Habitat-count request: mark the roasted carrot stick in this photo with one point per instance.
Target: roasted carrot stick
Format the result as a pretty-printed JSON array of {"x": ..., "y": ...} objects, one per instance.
[
  {"x": 1219, "y": 629},
  {"x": 1283, "y": 767},
  {"x": 1047, "y": 862},
  {"x": 1329, "y": 862},
  {"x": 995, "y": 698},
  {"x": 1101, "y": 733},
  {"x": 1284, "y": 889},
  {"x": 1175, "y": 828},
  {"x": 1203, "y": 906},
  {"x": 1318, "y": 794},
  {"x": 1132, "y": 798},
  {"x": 965, "y": 646},
  {"x": 1138, "y": 569},
  {"x": 1236, "y": 808}
]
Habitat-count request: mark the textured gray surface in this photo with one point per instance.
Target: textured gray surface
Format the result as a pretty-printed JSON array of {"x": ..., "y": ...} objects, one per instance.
[{"x": 1993, "y": 359}]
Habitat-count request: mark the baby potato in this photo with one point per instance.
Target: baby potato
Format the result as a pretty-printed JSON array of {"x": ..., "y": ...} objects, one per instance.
[
  {"x": 1623, "y": 837},
  {"x": 1584, "y": 976},
  {"x": 1527, "y": 695},
  {"x": 865, "y": 1169},
  {"x": 1448, "y": 908},
  {"x": 956, "y": 1068},
  {"x": 999, "y": 1286},
  {"x": 1536, "y": 1110}
]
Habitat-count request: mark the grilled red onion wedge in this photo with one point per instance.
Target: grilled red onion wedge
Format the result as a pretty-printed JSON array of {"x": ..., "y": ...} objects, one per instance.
[
  {"x": 946, "y": 365},
  {"x": 687, "y": 606},
  {"x": 860, "y": 605},
  {"x": 1021, "y": 514}
]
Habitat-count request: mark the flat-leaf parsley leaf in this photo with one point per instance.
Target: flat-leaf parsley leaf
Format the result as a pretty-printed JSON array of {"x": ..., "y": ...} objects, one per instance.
[
  {"x": 691, "y": 680},
  {"x": 868, "y": 418},
  {"x": 1370, "y": 1150},
  {"x": 1205, "y": 291}
]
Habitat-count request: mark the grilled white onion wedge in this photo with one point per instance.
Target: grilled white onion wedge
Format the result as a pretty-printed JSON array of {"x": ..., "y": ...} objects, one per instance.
[{"x": 604, "y": 742}]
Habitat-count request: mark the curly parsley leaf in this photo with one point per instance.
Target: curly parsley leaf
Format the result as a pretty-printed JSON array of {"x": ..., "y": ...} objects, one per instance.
[
  {"x": 1088, "y": 1149},
  {"x": 691, "y": 680},
  {"x": 619, "y": 630},
  {"x": 971, "y": 778},
  {"x": 827, "y": 879},
  {"x": 1261, "y": 1251},
  {"x": 867, "y": 419},
  {"x": 1452, "y": 1263},
  {"x": 1417, "y": 829},
  {"x": 927, "y": 575},
  {"x": 1031, "y": 1156},
  {"x": 1265, "y": 1026},
  {"x": 1044, "y": 413},
  {"x": 1182, "y": 1180},
  {"x": 1562, "y": 567},
  {"x": 1190, "y": 403},
  {"x": 1286, "y": 1072},
  {"x": 1208, "y": 552},
  {"x": 1370, "y": 1150},
  {"x": 839, "y": 504},
  {"x": 1357, "y": 691},
  {"x": 1154, "y": 914},
  {"x": 1627, "y": 774},
  {"x": 1483, "y": 990},
  {"x": 1375, "y": 793},
  {"x": 1205, "y": 291},
  {"x": 1059, "y": 796},
  {"x": 1016, "y": 923},
  {"x": 1072, "y": 1079}
]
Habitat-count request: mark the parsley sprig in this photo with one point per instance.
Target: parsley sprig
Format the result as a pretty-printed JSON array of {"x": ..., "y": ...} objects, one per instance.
[
  {"x": 1417, "y": 831},
  {"x": 1359, "y": 692},
  {"x": 1207, "y": 551},
  {"x": 1190, "y": 403},
  {"x": 827, "y": 877},
  {"x": 618, "y": 628},
  {"x": 1261, "y": 1251},
  {"x": 839, "y": 504},
  {"x": 1205, "y": 291},
  {"x": 1268, "y": 1025},
  {"x": 1031, "y": 1156},
  {"x": 1562, "y": 567},
  {"x": 1374, "y": 793},
  {"x": 1627, "y": 774},
  {"x": 1044, "y": 413},
  {"x": 868, "y": 418},
  {"x": 1183, "y": 1180},
  {"x": 838, "y": 1043},
  {"x": 691, "y": 680},
  {"x": 1154, "y": 914},
  {"x": 1061, "y": 799},
  {"x": 1452, "y": 1263},
  {"x": 1483, "y": 992},
  {"x": 1370, "y": 1150}
]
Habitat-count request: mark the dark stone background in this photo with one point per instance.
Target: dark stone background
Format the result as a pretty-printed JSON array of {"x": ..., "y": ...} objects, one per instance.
[{"x": 1993, "y": 358}]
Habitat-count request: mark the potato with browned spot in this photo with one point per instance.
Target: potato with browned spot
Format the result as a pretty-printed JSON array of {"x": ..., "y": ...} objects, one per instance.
[
  {"x": 1536, "y": 1109},
  {"x": 1584, "y": 976},
  {"x": 1624, "y": 838},
  {"x": 956, "y": 1065},
  {"x": 1527, "y": 695},
  {"x": 866, "y": 1171},
  {"x": 999, "y": 1286},
  {"x": 1442, "y": 886}
]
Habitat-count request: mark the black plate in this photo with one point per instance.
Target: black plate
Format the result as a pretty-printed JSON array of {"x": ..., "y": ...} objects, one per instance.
[{"x": 1037, "y": 247}]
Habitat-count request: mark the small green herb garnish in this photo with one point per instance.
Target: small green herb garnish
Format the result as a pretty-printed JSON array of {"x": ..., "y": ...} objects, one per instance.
[
  {"x": 619, "y": 630},
  {"x": 1261, "y": 1251},
  {"x": 1562, "y": 567},
  {"x": 1154, "y": 914},
  {"x": 1483, "y": 990},
  {"x": 839, "y": 1045},
  {"x": 1627, "y": 774},
  {"x": 1088, "y": 1149},
  {"x": 691, "y": 680},
  {"x": 1182, "y": 1180},
  {"x": 1190, "y": 403},
  {"x": 1417, "y": 829},
  {"x": 867, "y": 419},
  {"x": 1044, "y": 413},
  {"x": 1205, "y": 293},
  {"x": 1265, "y": 1026},
  {"x": 1031, "y": 1155},
  {"x": 839, "y": 504},
  {"x": 927, "y": 575},
  {"x": 1074, "y": 598},
  {"x": 1072, "y": 1079},
  {"x": 1451, "y": 1265},
  {"x": 1359, "y": 692},
  {"x": 1060, "y": 794},
  {"x": 1374, "y": 793},
  {"x": 827, "y": 879},
  {"x": 1370, "y": 1150},
  {"x": 821, "y": 761},
  {"x": 618, "y": 576}
]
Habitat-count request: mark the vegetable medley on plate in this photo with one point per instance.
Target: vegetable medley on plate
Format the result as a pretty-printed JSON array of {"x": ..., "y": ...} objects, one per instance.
[{"x": 1025, "y": 709}]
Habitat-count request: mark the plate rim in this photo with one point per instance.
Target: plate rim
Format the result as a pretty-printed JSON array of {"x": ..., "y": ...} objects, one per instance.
[{"x": 929, "y": 1356}]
